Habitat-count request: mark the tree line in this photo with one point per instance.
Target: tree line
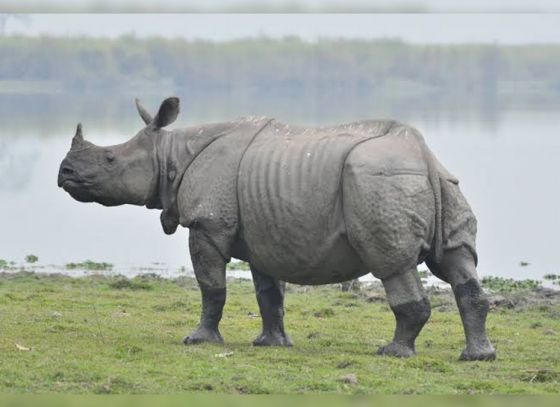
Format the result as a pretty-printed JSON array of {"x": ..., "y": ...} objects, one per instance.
[{"x": 285, "y": 65}]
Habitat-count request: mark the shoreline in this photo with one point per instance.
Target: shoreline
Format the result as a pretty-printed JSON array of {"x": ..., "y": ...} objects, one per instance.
[
  {"x": 235, "y": 269},
  {"x": 502, "y": 293}
]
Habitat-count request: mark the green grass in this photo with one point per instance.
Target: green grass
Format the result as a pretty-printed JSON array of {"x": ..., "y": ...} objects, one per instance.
[
  {"x": 103, "y": 335},
  {"x": 239, "y": 266}
]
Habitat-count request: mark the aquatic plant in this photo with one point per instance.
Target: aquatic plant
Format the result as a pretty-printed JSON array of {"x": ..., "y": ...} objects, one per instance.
[
  {"x": 89, "y": 265},
  {"x": 501, "y": 284}
]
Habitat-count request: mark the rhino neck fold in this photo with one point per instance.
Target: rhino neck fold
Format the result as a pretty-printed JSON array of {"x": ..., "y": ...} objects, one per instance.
[
  {"x": 152, "y": 199},
  {"x": 172, "y": 154}
]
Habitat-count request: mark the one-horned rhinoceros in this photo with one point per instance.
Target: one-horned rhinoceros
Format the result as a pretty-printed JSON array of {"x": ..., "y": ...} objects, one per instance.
[{"x": 301, "y": 205}]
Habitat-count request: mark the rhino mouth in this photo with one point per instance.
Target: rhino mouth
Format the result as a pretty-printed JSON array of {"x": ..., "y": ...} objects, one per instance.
[
  {"x": 76, "y": 187},
  {"x": 77, "y": 191},
  {"x": 73, "y": 183},
  {"x": 68, "y": 178}
]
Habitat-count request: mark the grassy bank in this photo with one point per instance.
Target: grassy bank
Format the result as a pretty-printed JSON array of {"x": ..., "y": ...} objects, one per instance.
[{"x": 112, "y": 335}]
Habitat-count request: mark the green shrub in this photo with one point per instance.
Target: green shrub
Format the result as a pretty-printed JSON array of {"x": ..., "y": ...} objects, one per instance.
[
  {"x": 123, "y": 283},
  {"x": 31, "y": 258}
]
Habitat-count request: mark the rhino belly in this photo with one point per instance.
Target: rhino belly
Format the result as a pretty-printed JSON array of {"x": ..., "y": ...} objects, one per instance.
[{"x": 291, "y": 209}]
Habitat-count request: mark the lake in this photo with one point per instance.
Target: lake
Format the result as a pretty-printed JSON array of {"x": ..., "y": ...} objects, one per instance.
[{"x": 503, "y": 154}]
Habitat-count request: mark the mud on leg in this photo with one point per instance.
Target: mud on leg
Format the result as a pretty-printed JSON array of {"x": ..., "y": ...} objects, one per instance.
[
  {"x": 411, "y": 308},
  {"x": 270, "y": 296},
  {"x": 458, "y": 268},
  {"x": 209, "y": 269}
]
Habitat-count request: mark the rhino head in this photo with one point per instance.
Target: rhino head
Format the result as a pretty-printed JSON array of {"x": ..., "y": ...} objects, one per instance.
[{"x": 120, "y": 174}]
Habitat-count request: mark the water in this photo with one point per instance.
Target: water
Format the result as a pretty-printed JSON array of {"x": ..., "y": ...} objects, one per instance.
[{"x": 504, "y": 154}]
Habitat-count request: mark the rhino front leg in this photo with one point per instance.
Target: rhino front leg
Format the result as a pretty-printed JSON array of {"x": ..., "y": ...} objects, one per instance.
[
  {"x": 209, "y": 269},
  {"x": 458, "y": 268},
  {"x": 411, "y": 307},
  {"x": 270, "y": 296}
]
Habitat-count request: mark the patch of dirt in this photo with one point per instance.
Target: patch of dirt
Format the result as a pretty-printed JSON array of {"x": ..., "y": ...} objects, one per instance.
[{"x": 442, "y": 299}]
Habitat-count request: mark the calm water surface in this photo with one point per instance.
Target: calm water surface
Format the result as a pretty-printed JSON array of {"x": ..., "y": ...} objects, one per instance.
[{"x": 506, "y": 160}]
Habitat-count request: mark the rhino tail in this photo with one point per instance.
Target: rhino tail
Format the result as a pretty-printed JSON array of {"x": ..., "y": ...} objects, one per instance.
[{"x": 435, "y": 181}]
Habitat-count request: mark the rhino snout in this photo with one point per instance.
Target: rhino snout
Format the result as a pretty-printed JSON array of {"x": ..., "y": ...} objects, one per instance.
[{"x": 65, "y": 173}]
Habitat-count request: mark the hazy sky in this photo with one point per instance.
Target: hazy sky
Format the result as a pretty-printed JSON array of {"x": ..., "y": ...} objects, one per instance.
[
  {"x": 283, "y": 5},
  {"x": 418, "y": 28}
]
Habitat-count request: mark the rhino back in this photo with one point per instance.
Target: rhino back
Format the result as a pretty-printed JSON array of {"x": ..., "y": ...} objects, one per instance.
[{"x": 400, "y": 152}]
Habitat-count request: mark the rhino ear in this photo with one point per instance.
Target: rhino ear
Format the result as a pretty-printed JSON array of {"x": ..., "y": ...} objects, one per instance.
[
  {"x": 147, "y": 117},
  {"x": 168, "y": 112}
]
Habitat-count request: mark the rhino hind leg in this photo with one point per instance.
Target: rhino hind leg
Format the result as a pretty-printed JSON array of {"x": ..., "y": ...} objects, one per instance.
[
  {"x": 457, "y": 266},
  {"x": 411, "y": 308},
  {"x": 209, "y": 269},
  {"x": 270, "y": 297}
]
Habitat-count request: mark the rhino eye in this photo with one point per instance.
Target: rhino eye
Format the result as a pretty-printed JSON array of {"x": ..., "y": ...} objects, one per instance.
[{"x": 109, "y": 156}]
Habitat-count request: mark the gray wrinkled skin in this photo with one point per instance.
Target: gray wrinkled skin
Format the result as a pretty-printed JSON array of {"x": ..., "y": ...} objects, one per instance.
[{"x": 302, "y": 205}]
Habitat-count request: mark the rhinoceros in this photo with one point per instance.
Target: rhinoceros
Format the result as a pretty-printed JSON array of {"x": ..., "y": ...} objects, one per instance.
[{"x": 304, "y": 205}]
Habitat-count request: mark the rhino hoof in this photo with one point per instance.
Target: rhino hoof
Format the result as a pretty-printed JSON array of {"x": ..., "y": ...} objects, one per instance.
[
  {"x": 478, "y": 354},
  {"x": 202, "y": 336},
  {"x": 272, "y": 339},
  {"x": 396, "y": 349}
]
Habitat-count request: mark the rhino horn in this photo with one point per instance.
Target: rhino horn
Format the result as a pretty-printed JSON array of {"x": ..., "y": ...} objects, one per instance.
[
  {"x": 78, "y": 138},
  {"x": 147, "y": 117}
]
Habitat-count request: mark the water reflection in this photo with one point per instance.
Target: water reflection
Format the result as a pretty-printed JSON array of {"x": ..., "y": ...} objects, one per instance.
[
  {"x": 47, "y": 114},
  {"x": 17, "y": 163}
]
